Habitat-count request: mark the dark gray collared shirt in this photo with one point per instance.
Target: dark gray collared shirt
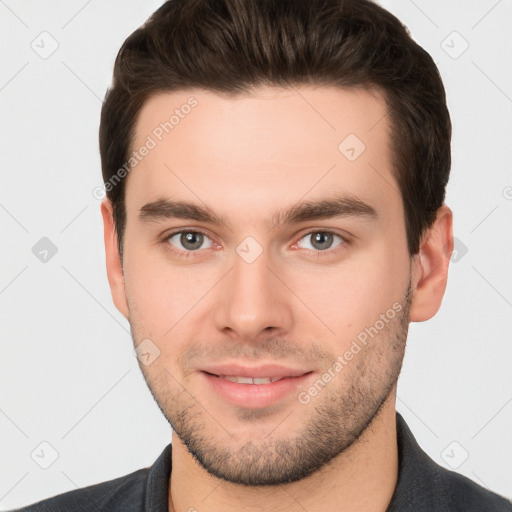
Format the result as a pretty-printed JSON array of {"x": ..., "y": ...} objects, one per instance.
[{"x": 423, "y": 486}]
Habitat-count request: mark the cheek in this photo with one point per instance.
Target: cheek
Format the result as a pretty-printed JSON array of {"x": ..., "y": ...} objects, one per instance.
[
  {"x": 158, "y": 307},
  {"x": 161, "y": 295},
  {"x": 352, "y": 295}
]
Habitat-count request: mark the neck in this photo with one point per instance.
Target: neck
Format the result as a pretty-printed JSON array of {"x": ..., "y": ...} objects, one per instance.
[{"x": 362, "y": 478}]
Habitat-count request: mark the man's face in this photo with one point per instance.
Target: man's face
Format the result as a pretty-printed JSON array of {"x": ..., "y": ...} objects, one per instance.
[{"x": 254, "y": 297}]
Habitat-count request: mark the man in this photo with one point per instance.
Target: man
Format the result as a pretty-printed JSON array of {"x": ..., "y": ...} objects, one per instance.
[{"x": 275, "y": 174}]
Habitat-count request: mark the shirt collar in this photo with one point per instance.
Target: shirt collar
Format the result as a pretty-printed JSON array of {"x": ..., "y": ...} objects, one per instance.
[
  {"x": 157, "y": 484},
  {"x": 419, "y": 485}
]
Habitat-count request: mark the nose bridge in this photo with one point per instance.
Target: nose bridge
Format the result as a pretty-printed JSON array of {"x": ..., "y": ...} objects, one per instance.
[{"x": 252, "y": 298}]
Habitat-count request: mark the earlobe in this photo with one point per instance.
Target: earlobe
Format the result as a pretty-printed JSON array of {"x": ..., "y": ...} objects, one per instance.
[
  {"x": 113, "y": 261},
  {"x": 430, "y": 267}
]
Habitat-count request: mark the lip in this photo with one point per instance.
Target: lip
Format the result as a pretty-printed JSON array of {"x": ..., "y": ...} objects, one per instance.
[
  {"x": 262, "y": 370},
  {"x": 255, "y": 396}
]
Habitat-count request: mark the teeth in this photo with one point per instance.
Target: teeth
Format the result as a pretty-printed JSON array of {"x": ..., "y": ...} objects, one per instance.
[
  {"x": 250, "y": 380},
  {"x": 261, "y": 380},
  {"x": 240, "y": 380}
]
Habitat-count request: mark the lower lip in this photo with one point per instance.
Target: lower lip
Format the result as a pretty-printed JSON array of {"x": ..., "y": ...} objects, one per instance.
[{"x": 254, "y": 395}]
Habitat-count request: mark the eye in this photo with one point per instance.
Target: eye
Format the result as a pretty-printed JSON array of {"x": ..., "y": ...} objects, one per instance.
[
  {"x": 188, "y": 240},
  {"x": 321, "y": 240}
]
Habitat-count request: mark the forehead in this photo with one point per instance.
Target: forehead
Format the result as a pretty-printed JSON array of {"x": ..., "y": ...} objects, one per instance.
[{"x": 257, "y": 151}]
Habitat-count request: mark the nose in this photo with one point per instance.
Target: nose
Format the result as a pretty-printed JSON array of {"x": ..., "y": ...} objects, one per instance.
[{"x": 253, "y": 302}]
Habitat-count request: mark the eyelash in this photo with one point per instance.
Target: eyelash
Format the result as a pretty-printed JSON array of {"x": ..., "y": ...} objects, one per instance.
[{"x": 319, "y": 254}]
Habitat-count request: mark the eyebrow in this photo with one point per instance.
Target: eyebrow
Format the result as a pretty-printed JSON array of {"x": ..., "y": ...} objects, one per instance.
[{"x": 339, "y": 206}]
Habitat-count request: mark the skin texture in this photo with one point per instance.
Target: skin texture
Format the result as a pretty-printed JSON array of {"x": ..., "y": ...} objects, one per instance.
[{"x": 300, "y": 303}]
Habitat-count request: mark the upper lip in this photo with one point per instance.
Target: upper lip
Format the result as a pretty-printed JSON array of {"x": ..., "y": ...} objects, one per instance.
[{"x": 262, "y": 370}]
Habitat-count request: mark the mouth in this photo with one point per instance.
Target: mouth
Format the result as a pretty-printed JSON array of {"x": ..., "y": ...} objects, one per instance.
[
  {"x": 254, "y": 387},
  {"x": 248, "y": 380}
]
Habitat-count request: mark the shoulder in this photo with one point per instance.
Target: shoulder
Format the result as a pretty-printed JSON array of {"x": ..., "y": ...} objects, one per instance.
[
  {"x": 424, "y": 485},
  {"x": 125, "y": 494},
  {"x": 467, "y": 496},
  {"x": 143, "y": 489}
]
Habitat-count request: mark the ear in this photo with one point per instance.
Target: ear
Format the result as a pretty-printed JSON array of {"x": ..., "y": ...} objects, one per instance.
[
  {"x": 113, "y": 260},
  {"x": 430, "y": 267}
]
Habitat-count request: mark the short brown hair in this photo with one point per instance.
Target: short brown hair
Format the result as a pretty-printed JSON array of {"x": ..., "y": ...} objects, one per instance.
[{"x": 232, "y": 46}]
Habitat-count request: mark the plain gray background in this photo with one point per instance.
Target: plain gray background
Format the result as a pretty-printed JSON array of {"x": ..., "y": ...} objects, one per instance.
[{"x": 68, "y": 376}]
